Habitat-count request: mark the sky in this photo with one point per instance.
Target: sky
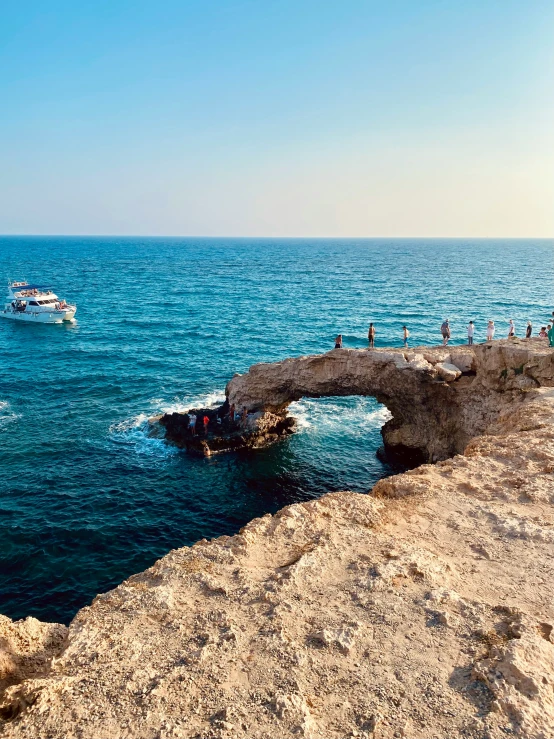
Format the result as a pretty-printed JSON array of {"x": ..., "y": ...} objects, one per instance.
[{"x": 424, "y": 118}]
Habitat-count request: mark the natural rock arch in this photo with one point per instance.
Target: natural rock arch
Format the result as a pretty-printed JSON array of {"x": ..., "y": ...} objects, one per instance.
[{"x": 439, "y": 397}]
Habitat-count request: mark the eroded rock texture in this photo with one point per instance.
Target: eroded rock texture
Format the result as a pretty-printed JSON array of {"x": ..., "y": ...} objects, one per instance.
[{"x": 422, "y": 610}]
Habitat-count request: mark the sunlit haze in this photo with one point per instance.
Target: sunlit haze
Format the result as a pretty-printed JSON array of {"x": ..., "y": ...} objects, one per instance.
[{"x": 277, "y": 118}]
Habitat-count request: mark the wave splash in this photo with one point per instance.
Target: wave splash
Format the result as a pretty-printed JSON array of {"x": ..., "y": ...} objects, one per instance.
[{"x": 136, "y": 431}]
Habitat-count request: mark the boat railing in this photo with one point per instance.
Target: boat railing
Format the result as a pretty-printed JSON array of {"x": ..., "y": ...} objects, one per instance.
[{"x": 27, "y": 294}]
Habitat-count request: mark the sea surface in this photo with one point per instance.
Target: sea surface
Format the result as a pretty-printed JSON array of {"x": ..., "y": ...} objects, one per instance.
[{"x": 87, "y": 498}]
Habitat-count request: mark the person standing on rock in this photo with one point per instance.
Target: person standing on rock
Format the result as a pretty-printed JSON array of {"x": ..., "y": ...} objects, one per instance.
[
  {"x": 550, "y": 334},
  {"x": 371, "y": 336},
  {"x": 470, "y": 333},
  {"x": 511, "y": 329},
  {"x": 490, "y": 331},
  {"x": 528, "y": 330},
  {"x": 192, "y": 424},
  {"x": 445, "y": 331},
  {"x": 206, "y": 421},
  {"x": 338, "y": 342},
  {"x": 406, "y": 335}
]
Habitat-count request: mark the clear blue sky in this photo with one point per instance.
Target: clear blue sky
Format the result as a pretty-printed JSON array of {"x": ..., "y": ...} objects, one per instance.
[{"x": 266, "y": 117}]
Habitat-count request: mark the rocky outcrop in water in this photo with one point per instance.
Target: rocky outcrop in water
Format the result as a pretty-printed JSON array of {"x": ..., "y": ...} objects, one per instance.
[
  {"x": 421, "y": 610},
  {"x": 221, "y": 433}
]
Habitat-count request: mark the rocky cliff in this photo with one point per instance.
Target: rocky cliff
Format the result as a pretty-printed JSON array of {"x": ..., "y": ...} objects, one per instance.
[{"x": 421, "y": 610}]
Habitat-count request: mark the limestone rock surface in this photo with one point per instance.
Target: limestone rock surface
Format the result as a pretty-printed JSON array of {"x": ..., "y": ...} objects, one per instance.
[{"x": 448, "y": 371}]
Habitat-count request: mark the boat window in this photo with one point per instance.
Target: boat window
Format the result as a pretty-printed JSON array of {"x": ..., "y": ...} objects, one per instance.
[
  {"x": 33, "y": 302},
  {"x": 41, "y": 302}
]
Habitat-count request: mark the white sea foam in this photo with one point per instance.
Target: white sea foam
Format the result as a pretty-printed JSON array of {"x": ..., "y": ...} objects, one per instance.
[
  {"x": 379, "y": 416},
  {"x": 134, "y": 433},
  {"x": 6, "y": 414},
  {"x": 330, "y": 414},
  {"x": 129, "y": 424},
  {"x": 186, "y": 402}
]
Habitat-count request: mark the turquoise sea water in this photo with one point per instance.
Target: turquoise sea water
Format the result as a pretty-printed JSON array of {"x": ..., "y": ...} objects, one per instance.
[{"x": 87, "y": 499}]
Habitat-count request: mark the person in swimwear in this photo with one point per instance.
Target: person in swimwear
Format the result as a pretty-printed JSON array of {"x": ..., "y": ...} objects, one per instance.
[
  {"x": 371, "y": 336},
  {"x": 338, "y": 342}
]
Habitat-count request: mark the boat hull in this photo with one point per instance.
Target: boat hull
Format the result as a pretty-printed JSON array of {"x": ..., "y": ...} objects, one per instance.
[{"x": 39, "y": 316}]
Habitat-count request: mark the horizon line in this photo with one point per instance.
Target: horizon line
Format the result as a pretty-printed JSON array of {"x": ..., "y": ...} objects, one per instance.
[{"x": 237, "y": 236}]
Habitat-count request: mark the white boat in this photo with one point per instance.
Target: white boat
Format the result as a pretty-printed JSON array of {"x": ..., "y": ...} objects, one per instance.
[{"x": 35, "y": 303}]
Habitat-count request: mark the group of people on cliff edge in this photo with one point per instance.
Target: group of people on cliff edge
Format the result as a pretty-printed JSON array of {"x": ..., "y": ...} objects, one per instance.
[
  {"x": 546, "y": 332},
  {"x": 491, "y": 328}
]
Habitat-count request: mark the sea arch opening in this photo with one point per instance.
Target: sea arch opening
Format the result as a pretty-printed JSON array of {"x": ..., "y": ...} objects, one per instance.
[{"x": 340, "y": 436}]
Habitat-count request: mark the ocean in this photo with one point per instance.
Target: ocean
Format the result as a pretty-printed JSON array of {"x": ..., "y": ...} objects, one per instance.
[{"x": 87, "y": 498}]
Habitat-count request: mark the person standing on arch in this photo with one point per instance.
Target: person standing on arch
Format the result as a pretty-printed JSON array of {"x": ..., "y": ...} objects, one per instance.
[
  {"x": 406, "y": 335},
  {"x": 371, "y": 336},
  {"x": 338, "y": 342},
  {"x": 445, "y": 331},
  {"x": 470, "y": 333}
]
